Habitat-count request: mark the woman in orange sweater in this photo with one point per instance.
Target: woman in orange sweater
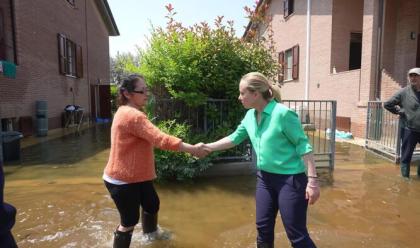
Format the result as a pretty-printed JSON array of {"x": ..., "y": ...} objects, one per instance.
[{"x": 130, "y": 171}]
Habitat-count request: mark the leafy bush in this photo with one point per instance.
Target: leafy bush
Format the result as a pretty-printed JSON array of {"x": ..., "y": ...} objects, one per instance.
[
  {"x": 114, "y": 96},
  {"x": 178, "y": 165},
  {"x": 195, "y": 63}
]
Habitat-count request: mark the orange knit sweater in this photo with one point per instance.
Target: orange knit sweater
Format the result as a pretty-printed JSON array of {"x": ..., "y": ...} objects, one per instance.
[{"x": 133, "y": 138}]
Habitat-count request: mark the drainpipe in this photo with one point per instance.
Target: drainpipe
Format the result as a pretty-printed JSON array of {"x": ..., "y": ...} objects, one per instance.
[
  {"x": 308, "y": 46},
  {"x": 378, "y": 70},
  {"x": 87, "y": 65}
]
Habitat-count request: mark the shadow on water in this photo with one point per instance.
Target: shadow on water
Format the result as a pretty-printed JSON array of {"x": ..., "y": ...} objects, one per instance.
[{"x": 62, "y": 202}]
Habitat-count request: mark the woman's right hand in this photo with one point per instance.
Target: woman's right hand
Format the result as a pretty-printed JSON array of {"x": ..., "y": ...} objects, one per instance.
[
  {"x": 312, "y": 191},
  {"x": 199, "y": 150},
  {"x": 202, "y": 150}
]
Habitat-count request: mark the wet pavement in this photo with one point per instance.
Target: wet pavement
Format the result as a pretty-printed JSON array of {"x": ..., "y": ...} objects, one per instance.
[{"x": 61, "y": 202}]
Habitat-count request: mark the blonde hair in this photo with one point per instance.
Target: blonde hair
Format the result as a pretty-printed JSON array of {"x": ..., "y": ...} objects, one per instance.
[{"x": 256, "y": 81}]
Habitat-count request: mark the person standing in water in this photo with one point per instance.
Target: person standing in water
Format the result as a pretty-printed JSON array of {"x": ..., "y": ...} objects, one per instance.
[
  {"x": 130, "y": 171},
  {"x": 280, "y": 144},
  {"x": 406, "y": 104}
]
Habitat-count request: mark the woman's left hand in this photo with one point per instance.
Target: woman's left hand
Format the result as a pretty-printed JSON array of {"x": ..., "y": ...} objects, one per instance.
[{"x": 312, "y": 191}]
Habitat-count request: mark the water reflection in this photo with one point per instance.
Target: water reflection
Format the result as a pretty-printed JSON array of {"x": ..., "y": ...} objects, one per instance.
[{"x": 62, "y": 202}]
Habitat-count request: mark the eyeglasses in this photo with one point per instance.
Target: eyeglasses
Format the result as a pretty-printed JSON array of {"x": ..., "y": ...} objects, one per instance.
[{"x": 139, "y": 91}]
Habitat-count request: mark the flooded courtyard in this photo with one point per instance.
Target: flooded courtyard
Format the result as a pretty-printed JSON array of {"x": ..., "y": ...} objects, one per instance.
[{"x": 62, "y": 202}]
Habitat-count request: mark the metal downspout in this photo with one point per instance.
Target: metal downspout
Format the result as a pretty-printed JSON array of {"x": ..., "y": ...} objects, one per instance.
[{"x": 308, "y": 45}]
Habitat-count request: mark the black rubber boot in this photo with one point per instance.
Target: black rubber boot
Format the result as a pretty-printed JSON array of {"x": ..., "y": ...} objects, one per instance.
[
  {"x": 122, "y": 239},
  {"x": 265, "y": 245},
  {"x": 405, "y": 170},
  {"x": 149, "y": 222}
]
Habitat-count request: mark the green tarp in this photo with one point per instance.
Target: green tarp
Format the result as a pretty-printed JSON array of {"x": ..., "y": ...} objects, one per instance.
[{"x": 9, "y": 69}]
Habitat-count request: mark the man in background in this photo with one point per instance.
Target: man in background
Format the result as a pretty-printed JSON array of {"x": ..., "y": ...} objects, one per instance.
[{"x": 406, "y": 103}]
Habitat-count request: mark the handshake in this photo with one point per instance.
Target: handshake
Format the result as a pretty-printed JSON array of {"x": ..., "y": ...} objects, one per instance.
[{"x": 200, "y": 150}]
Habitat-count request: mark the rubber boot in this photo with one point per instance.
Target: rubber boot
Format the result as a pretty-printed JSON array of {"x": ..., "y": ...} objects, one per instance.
[
  {"x": 149, "y": 222},
  {"x": 418, "y": 170},
  {"x": 265, "y": 245},
  {"x": 405, "y": 170},
  {"x": 122, "y": 239}
]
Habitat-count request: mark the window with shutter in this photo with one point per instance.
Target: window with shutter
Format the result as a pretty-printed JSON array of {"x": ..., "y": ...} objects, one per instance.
[
  {"x": 282, "y": 66},
  {"x": 70, "y": 57},
  {"x": 289, "y": 61}
]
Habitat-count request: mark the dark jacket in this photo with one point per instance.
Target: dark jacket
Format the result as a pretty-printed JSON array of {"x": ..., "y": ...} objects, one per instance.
[{"x": 406, "y": 104}]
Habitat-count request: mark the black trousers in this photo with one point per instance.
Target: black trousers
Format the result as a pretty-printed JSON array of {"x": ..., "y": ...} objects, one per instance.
[
  {"x": 410, "y": 138},
  {"x": 128, "y": 199}
]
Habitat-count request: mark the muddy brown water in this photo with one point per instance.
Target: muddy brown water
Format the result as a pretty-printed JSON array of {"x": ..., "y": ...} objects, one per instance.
[{"x": 61, "y": 202}]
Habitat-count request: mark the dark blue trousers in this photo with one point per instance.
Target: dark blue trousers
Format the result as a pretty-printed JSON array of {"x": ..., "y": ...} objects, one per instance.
[
  {"x": 410, "y": 138},
  {"x": 7, "y": 218},
  {"x": 284, "y": 193}
]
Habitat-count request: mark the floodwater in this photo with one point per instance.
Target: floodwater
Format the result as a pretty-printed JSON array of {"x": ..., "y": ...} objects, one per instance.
[{"x": 61, "y": 202}]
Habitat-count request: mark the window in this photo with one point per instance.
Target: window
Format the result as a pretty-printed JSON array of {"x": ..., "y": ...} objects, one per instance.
[
  {"x": 355, "y": 58},
  {"x": 71, "y": 2},
  {"x": 70, "y": 58},
  {"x": 288, "y": 7},
  {"x": 289, "y": 64}
]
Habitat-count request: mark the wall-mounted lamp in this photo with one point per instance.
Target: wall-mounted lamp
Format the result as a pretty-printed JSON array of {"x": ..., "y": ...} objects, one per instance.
[{"x": 413, "y": 35}]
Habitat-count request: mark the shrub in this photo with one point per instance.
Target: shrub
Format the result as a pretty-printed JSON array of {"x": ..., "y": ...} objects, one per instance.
[
  {"x": 195, "y": 63},
  {"x": 178, "y": 165}
]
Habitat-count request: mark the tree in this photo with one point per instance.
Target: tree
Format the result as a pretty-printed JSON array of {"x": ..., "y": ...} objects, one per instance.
[{"x": 118, "y": 66}]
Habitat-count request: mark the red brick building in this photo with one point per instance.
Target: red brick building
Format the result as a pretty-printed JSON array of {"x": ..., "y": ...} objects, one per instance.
[
  {"x": 55, "y": 51},
  {"x": 360, "y": 50}
]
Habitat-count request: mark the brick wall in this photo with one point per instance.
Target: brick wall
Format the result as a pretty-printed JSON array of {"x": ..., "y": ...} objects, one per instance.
[{"x": 38, "y": 78}]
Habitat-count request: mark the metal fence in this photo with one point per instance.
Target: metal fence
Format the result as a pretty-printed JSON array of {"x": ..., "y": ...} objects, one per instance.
[
  {"x": 215, "y": 116},
  {"x": 210, "y": 120},
  {"x": 383, "y": 132},
  {"x": 318, "y": 119}
]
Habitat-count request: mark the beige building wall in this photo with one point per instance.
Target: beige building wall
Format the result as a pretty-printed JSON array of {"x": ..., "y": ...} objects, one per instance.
[{"x": 332, "y": 21}]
